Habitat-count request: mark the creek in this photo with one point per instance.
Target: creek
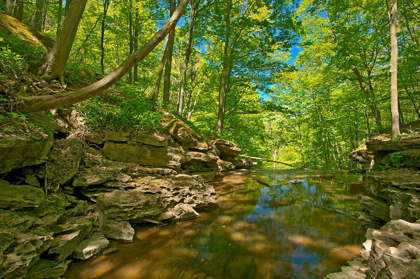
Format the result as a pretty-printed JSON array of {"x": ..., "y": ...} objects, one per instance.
[{"x": 303, "y": 226}]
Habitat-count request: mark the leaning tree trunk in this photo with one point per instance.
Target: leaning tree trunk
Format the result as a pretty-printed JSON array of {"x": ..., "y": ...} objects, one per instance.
[
  {"x": 393, "y": 65},
  {"x": 168, "y": 61},
  {"x": 53, "y": 67},
  {"x": 38, "y": 103}
]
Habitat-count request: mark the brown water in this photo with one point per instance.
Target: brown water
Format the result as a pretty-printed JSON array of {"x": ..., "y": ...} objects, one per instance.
[{"x": 292, "y": 230}]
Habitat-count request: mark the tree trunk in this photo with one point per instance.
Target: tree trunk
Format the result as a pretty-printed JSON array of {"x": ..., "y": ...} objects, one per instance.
[
  {"x": 14, "y": 8},
  {"x": 53, "y": 67},
  {"x": 59, "y": 16},
  {"x": 103, "y": 27},
  {"x": 224, "y": 81},
  {"x": 38, "y": 103},
  {"x": 393, "y": 69},
  {"x": 136, "y": 44},
  {"x": 168, "y": 61},
  {"x": 131, "y": 39},
  {"x": 188, "y": 51},
  {"x": 39, "y": 14},
  {"x": 155, "y": 95}
]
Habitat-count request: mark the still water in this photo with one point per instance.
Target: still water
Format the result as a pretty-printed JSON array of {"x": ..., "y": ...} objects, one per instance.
[{"x": 300, "y": 227}]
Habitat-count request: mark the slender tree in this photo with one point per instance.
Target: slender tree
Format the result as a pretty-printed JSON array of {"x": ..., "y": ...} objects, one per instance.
[
  {"x": 105, "y": 4},
  {"x": 168, "y": 60},
  {"x": 14, "y": 8},
  {"x": 393, "y": 69}
]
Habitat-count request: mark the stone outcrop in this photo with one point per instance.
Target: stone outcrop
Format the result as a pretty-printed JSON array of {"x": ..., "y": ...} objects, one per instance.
[
  {"x": 363, "y": 157},
  {"x": 19, "y": 197},
  {"x": 70, "y": 196},
  {"x": 391, "y": 209},
  {"x": 22, "y": 151}
]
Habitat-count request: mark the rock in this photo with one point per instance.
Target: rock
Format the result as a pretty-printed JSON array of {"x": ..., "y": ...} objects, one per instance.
[
  {"x": 129, "y": 205},
  {"x": 20, "y": 151},
  {"x": 47, "y": 269},
  {"x": 411, "y": 158},
  {"x": 90, "y": 247},
  {"x": 395, "y": 251},
  {"x": 376, "y": 207},
  {"x": 93, "y": 176},
  {"x": 243, "y": 163},
  {"x": 33, "y": 181},
  {"x": 135, "y": 153},
  {"x": 21, "y": 251},
  {"x": 151, "y": 138},
  {"x": 197, "y": 161},
  {"x": 117, "y": 230},
  {"x": 63, "y": 163},
  {"x": 207, "y": 176},
  {"x": 227, "y": 149},
  {"x": 72, "y": 233},
  {"x": 19, "y": 197},
  {"x": 179, "y": 212},
  {"x": 391, "y": 145},
  {"x": 117, "y": 136},
  {"x": 94, "y": 138},
  {"x": 225, "y": 166},
  {"x": 363, "y": 157}
]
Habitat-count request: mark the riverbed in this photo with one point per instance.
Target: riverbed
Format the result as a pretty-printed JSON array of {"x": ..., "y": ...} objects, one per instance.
[{"x": 302, "y": 225}]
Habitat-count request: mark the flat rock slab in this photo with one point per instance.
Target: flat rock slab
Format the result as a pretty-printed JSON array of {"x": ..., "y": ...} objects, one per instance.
[
  {"x": 19, "y": 197},
  {"x": 393, "y": 145},
  {"x": 118, "y": 230},
  {"x": 129, "y": 205},
  {"x": 19, "y": 151},
  {"x": 90, "y": 247},
  {"x": 144, "y": 155}
]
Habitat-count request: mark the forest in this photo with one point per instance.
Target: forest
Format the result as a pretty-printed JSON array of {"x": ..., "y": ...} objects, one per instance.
[{"x": 302, "y": 82}]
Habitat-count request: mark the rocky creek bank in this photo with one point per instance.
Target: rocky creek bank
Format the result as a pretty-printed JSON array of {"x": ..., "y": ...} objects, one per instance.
[
  {"x": 391, "y": 210},
  {"x": 66, "y": 197}
]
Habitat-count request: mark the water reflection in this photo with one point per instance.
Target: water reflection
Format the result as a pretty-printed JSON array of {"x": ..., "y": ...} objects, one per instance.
[{"x": 300, "y": 228}]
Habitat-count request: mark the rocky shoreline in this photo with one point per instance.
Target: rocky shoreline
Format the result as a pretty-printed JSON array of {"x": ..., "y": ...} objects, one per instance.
[
  {"x": 66, "y": 198},
  {"x": 391, "y": 210}
]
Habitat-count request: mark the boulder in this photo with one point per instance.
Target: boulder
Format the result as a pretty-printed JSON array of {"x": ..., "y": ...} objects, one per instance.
[
  {"x": 363, "y": 157},
  {"x": 134, "y": 204},
  {"x": 47, "y": 269},
  {"x": 22, "y": 151},
  {"x": 225, "y": 166},
  {"x": 71, "y": 234},
  {"x": 197, "y": 161},
  {"x": 227, "y": 149},
  {"x": 90, "y": 247},
  {"x": 243, "y": 163},
  {"x": 63, "y": 163},
  {"x": 140, "y": 154},
  {"x": 93, "y": 176},
  {"x": 151, "y": 138},
  {"x": 19, "y": 197},
  {"x": 180, "y": 212},
  {"x": 21, "y": 251},
  {"x": 118, "y": 230}
]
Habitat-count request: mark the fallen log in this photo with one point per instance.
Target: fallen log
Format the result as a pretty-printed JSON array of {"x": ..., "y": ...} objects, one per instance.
[{"x": 271, "y": 161}]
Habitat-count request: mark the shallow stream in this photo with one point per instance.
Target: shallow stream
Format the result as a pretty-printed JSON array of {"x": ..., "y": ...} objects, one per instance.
[{"x": 303, "y": 226}]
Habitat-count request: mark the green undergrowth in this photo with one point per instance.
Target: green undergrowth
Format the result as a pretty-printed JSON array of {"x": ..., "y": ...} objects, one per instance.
[{"x": 125, "y": 109}]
